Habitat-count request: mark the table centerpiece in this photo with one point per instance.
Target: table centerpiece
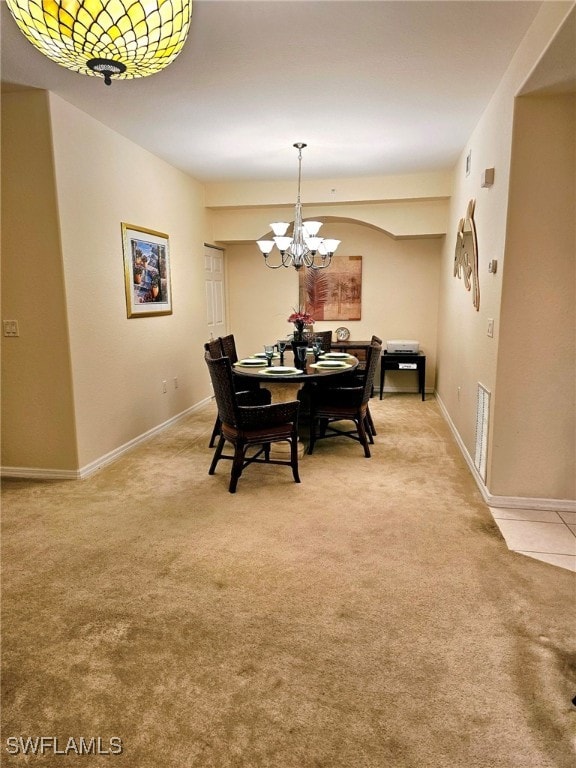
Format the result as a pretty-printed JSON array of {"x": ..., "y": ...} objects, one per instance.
[{"x": 299, "y": 318}]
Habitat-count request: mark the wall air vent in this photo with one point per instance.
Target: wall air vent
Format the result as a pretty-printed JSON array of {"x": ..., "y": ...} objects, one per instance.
[{"x": 482, "y": 421}]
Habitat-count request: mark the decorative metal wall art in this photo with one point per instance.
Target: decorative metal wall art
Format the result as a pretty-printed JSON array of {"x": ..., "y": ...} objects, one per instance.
[{"x": 466, "y": 254}]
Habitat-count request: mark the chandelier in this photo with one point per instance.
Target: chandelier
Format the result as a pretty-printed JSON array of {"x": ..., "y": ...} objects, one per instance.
[
  {"x": 108, "y": 38},
  {"x": 304, "y": 248}
]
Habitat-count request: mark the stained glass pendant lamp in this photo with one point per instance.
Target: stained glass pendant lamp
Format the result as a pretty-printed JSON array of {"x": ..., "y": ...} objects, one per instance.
[{"x": 108, "y": 38}]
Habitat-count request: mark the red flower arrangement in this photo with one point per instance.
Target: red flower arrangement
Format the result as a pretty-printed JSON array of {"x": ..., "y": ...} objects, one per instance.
[{"x": 300, "y": 319}]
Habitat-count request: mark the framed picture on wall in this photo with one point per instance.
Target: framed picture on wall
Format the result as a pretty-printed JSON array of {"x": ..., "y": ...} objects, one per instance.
[
  {"x": 146, "y": 271},
  {"x": 334, "y": 293}
]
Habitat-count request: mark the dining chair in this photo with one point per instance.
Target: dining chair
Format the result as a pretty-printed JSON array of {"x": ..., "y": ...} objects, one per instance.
[
  {"x": 245, "y": 425},
  {"x": 363, "y": 363},
  {"x": 248, "y": 392},
  {"x": 326, "y": 337},
  {"x": 360, "y": 376},
  {"x": 228, "y": 347},
  {"x": 373, "y": 340},
  {"x": 357, "y": 378},
  {"x": 214, "y": 347},
  {"x": 329, "y": 405}
]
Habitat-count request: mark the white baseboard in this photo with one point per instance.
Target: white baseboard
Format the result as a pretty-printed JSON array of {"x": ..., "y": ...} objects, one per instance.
[
  {"x": 32, "y": 473},
  {"x": 503, "y": 502}
]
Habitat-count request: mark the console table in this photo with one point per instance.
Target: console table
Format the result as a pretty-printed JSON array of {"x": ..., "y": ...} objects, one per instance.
[
  {"x": 356, "y": 348},
  {"x": 401, "y": 361}
]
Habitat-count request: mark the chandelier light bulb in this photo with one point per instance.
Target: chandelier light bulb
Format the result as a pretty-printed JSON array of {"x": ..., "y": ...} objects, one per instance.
[
  {"x": 279, "y": 228},
  {"x": 312, "y": 227},
  {"x": 331, "y": 245},
  {"x": 265, "y": 246},
  {"x": 313, "y": 243},
  {"x": 283, "y": 243}
]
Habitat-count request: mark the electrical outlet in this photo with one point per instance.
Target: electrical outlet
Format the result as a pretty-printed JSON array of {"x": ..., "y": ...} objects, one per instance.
[
  {"x": 164, "y": 387},
  {"x": 10, "y": 328},
  {"x": 490, "y": 330},
  {"x": 175, "y": 382}
]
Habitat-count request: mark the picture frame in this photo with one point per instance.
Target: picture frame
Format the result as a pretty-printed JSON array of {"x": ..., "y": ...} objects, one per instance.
[
  {"x": 334, "y": 293},
  {"x": 146, "y": 271}
]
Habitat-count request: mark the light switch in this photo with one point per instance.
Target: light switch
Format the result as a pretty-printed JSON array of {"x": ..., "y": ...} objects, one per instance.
[{"x": 10, "y": 328}]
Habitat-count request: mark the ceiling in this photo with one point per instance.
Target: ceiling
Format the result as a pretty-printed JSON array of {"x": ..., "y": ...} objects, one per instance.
[{"x": 373, "y": 88}]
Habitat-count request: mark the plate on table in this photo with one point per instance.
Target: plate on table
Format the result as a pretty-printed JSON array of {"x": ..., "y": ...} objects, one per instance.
[
  {"x": 262, "y": 355},
  {"x": 281, "y": 370},
  {"x": 251, "y": 362},
  {"x": 325, "y": 365},
  {"x": 337, "y": 356}
]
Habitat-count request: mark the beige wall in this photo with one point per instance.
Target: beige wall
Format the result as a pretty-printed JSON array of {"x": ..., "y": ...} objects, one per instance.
[
  {"x": 118, "y": 364},
  {"x": 414, "y": 218},
  {"x": 37, "y": 404},
  {"x": 533, "y": 446},
  {"x": 466, "y": 355},
  {"x": 415, "y": 186},
  {"x": 400, "y": 281}
]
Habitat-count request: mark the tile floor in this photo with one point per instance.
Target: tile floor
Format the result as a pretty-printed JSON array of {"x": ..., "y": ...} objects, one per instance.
[{"x": 542, "y": 534}]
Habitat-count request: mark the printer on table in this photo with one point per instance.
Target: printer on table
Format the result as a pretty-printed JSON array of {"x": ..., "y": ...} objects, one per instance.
[
  {"x": 403, "y": 354},
  {"x": 403, "y": 345}
]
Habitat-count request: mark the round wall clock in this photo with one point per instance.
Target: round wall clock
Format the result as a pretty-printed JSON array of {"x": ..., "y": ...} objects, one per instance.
[{"x": 342, "y": 334}]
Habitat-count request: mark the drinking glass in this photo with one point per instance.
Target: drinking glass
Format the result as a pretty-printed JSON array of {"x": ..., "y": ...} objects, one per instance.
[
  {"x": 282, "y": 344},
  {"x": 317, "y": 347},
  {"x": 301, "y": 353},
  {"x": 269, "y": 352}
]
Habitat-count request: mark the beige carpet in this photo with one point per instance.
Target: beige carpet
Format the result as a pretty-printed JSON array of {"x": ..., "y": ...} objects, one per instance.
[{"x": 370, "y": 617}]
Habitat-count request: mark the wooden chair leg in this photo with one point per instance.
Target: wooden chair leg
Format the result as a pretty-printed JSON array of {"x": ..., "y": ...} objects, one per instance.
[
  {"x": 215, "y": 432},
  {"x": 312, "y": 437},
  {"x": 217, "y": 454},
  {"x": 368, "y": 430},
  {"x": 237, "y": 463},
  {"x": 294, "y": 456},
  {"x": 363, "y": 437},
  {"x": 370, "y": 422}
]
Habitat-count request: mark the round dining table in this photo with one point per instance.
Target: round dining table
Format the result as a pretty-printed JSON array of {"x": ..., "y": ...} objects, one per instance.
[
  {"x": 284, "y": 386},
  {"x": 286, "y": 383}
]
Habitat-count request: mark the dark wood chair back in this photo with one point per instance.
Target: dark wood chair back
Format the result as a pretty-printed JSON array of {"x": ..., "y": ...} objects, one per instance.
[
  {"x": 326, "y": 340},
  {"x": 228, "y": 345},
  {"x": 214, "y": 347},
  {"x": 250, "y": 419}
]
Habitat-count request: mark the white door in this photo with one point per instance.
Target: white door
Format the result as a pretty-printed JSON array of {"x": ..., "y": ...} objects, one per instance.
[{"x": 215, "y": 292}]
